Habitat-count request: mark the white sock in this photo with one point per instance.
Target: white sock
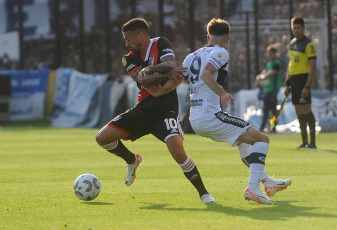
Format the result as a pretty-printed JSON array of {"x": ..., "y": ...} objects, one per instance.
[
  {"x": 265, "y": 177},
  {"x": 244, "y": 151},
  {"x": 259, "y": 150}
]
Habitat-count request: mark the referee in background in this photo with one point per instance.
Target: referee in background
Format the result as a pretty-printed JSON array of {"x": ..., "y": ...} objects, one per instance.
[{"x": 301, "y": 72}]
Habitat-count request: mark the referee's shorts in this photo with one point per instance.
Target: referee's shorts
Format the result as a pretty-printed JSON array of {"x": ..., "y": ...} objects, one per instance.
[{"x": 297, "y": 83}]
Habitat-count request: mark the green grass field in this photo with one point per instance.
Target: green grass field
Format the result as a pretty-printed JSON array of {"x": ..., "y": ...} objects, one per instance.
[{"x": 38, "y": 166}]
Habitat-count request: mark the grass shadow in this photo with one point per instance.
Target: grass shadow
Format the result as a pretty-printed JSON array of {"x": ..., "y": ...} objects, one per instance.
[
  {"x": 320, "y": 150},
  {"x": 97, "y": 203},
  {"x": 282, "y": 210}
]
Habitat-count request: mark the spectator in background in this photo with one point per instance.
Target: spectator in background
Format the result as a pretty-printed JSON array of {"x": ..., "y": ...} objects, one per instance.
[
  {"x": 270, "y": 80},
  {"x": 170, "y": 18}
]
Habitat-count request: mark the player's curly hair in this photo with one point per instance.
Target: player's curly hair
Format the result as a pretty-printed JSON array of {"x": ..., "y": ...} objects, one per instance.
[
  {"x": 218, "y": 27},
  {"x": 135, "y": 24}
]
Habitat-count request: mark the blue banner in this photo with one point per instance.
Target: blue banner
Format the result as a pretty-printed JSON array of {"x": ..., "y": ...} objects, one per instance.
[
  {"x": 61, "y": 89},
  {"x": 28, "y": 93},
  {"x": 324, "y": 107},
  {"x": 83, "y": 101}
]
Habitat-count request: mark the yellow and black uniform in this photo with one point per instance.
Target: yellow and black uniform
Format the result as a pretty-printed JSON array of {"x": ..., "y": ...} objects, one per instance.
[{"x": 300, "y": 52}]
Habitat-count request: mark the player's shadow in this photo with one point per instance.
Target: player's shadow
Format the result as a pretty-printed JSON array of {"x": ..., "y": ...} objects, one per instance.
[
  {"x": 282, "y": 210},
  {"x": 97, "y": 203},
  {"x": 320, "y": 150}
]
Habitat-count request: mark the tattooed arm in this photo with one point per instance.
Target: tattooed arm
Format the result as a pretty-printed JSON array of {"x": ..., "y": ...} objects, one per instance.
[{"x": 157, "y": 73}]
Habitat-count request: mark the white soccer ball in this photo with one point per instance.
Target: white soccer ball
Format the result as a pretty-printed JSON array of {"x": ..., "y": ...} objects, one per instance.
[{"x": 87, "y": 187}]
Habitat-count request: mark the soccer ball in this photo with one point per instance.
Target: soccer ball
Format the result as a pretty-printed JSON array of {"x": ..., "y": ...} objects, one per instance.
[{"x": 87, "y": 187}]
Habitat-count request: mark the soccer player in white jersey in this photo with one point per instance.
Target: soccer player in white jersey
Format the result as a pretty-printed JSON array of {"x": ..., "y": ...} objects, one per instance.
[{"x": 206, "y": 71}]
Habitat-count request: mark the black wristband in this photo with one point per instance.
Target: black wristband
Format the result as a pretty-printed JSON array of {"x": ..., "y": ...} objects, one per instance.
[
  {"x": 307, "y": 87},
  {"x": 288, "y": 82}
]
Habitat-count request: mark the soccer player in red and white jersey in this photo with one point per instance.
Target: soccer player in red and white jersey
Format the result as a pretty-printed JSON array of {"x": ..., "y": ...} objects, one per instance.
[
  {"x": 206, "y": 71},
  {"x": 157, "y": 114}
]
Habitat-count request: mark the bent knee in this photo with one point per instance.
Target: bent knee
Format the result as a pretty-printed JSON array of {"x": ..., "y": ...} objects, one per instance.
[
  {"x": 99, "y": 138},
  {"x": 264, "y": 138},
  {"x": 102, "y": 138}
]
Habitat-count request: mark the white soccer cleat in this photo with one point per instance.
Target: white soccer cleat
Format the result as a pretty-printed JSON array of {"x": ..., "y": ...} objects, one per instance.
[
  {"x": 207, "y": 198},
  {"x": 256, "y": 195},
  {"x": 273, "y": 186},
  {"x": 131, "y": 170}
]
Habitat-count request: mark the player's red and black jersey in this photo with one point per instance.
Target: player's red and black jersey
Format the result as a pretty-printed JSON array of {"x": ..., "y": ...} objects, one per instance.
[{"x": 158, "y": 48}]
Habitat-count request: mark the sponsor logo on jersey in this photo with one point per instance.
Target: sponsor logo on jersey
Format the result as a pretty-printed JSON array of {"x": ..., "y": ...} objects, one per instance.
[
  {"x": 197, "y": 102},
  {"x": 124, "y": 61}
]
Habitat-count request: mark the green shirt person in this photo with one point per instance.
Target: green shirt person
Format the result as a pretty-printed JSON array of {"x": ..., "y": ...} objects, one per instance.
[{"x": 270, "y": 79}]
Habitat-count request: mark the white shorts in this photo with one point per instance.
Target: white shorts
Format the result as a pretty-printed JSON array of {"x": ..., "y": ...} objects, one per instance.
[{"x": 220, "y": 127}]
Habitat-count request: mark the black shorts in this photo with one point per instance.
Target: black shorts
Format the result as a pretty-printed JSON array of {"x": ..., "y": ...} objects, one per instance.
[
  {"x": 137, "y": 123},
  {"x": 297, "y": 83}
]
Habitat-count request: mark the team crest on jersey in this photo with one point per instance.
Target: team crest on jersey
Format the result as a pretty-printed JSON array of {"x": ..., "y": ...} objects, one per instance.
[
  {"x": 116, "y": 118},
  {"x": 124, "y": 61},
  {"x": 219, "y": 56},
  {"x": 151, "y": 60}
]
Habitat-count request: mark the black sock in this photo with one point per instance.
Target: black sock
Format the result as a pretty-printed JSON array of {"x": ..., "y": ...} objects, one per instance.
[
  {"x": 303, "y": 126},
  {"x": 195, "y": 178},
  {"x": 121, "y": 151},
  {"x": 311, "y": 120}
]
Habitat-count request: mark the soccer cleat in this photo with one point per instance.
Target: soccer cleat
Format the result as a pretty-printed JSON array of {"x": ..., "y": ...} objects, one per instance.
[
  {"x": 256, "y": 195},
  {"x": 207, "y": 198},
  {"x": 302, "y": 146},
  {"x": 131, "y": 170},
  {"x": 273, "y": 186}
]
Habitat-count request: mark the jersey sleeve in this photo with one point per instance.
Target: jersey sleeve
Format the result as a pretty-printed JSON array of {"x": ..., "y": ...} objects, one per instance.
[
  {"x": 218, "y": 57},
  {"x": 129, "y": 63},
  {"x": 164, "y": 48},
  {"x": 310, "y": 50}
]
